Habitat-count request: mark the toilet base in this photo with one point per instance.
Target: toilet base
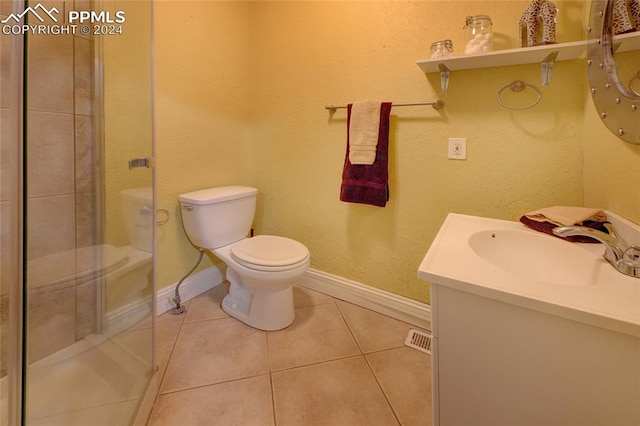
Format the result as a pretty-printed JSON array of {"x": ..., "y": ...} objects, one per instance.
[{"x": 262, "y": 309}]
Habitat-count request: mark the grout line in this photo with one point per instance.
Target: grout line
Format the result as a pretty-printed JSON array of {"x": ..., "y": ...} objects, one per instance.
[
  {"x": 270, "y": 371},
  {"x": 393, "y": 410},
  {"x": 273, "y": 400},
  {"x": 173, "y": 347},
  {"x": 212, "y": 384},
  {"x": 349, "y": 328},
  {"x": 193, "y": 321},
  {"x": 317, "y": 363}
]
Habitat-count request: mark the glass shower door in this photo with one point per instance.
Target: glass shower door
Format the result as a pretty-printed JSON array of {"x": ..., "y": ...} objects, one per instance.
[
  {"x": 89, "y": 251},
  {"x": 11, "y": 48}
]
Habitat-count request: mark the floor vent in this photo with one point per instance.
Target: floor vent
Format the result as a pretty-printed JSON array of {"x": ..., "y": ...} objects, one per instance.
[{"x": 419, "y": 340}]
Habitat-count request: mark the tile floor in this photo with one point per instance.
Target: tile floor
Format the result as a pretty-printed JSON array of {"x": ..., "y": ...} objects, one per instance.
[{"x": 337, "y": 364}]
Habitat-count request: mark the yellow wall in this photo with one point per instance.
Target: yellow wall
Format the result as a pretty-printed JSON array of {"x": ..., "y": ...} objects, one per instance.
[
  {"x": 127, "y": 109},
  {"x": 202, "y": 103},
  {"x": 313, "y": 54},
  {"x": 240, "y": 90}
]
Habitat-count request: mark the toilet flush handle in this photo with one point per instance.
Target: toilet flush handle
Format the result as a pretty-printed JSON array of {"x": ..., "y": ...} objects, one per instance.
[{"x": 141, "y": 162}]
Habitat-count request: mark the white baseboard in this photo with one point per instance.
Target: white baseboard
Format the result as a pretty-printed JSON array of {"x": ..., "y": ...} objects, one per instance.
[
  {"x": 398, "y": 307},
  {"x": 123, "y": 317},
  {"x": 401, "y": 308},
  {"x": 191, "y": 287}
]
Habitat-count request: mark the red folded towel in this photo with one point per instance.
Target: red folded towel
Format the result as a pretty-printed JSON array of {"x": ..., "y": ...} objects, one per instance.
[
  {"x": 548, "y": 227},
  {"x": 368, "y": 184}
]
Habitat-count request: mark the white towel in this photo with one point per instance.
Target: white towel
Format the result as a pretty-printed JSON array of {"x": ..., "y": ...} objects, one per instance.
[
  {"x": 567, "y": 216},
  {"x": 364, "y": 128}
]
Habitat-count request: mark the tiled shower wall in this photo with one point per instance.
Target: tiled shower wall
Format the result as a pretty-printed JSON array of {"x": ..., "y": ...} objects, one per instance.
[
  {"x": 8, "y": 195},
  {"x": 62, "y": 161}
]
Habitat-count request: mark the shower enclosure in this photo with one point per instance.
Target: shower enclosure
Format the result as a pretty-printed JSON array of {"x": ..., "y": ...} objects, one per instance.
[{"x": 77, "y": 213}]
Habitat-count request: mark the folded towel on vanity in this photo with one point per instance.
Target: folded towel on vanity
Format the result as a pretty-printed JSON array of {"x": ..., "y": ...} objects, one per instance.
[
  {"x": 364, "y": 127},
  {"x": 567, "y": 216},
  {"x": 545, "y": 220},
  {"x": 363, "y": 183}
]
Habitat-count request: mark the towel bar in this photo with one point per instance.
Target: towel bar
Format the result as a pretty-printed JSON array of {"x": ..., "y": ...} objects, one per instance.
[{"x": 437, "y": 104}]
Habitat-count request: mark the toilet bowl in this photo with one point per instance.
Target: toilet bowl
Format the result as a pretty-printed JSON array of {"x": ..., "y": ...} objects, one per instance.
[
  {"x": 94, "y": 290},
  {"x": 261, "y": 270},
  {"x": 76, "y": 287}
]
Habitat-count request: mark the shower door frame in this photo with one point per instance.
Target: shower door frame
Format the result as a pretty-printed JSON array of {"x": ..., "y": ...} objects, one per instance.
[
  {"x": 15, "y": 334},
  {"x": 15, "y": 245}
]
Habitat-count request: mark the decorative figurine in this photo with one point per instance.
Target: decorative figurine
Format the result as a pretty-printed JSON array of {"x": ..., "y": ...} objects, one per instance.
[
  {"x": 634, "y": 8},
  {"x": 539, "y": 12},
  {"x": 623, "y": 21}
]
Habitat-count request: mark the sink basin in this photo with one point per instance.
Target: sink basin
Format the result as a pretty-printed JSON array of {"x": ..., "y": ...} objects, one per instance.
[
  {"x": 508, "y": 262},
  {"x": 540, "y": 257}
]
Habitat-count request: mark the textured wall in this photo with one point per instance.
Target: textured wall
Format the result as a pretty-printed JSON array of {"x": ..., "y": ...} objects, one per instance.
[
  {"x": 202, "y": 105},
  {"x": 240, "y": 93},
  {"x": 313, "y": 54},
  {"x": 127, "y": 111}
]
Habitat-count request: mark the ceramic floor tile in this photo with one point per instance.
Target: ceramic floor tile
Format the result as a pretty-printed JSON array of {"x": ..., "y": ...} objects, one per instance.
[
  {"x": 166, "y": 337},
  {"x": 101, "y": 375},
  {"x": 305, "y": 297},
  {"x": 215, "y": 351},
  {"x": 119, "y": 413},
  {"x": 373, "y": 331},
  {"x": 241, "y": 402},
  {"x": 138, "y": 343},
  {"x": 342, "y": 392},
  {"x": 168, "y": 318},
  {"x": 207, "y": 305},
  {"x": 405, "y": 377},
  {"x": 318, "y": 334}
]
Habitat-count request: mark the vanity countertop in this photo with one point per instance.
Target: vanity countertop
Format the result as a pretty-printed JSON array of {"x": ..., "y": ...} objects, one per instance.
[{"x": 605, "y": 298}]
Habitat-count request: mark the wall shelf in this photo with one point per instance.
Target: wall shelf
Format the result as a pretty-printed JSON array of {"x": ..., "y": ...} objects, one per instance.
[{"x": 525, "y": 55}]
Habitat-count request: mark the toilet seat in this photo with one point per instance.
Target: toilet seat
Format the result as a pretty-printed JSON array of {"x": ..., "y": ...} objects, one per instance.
[{"x": 269, "y": 253}]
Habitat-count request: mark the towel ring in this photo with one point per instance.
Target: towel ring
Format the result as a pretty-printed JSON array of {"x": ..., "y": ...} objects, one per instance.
[
  {"x": 518, "y": 86},
  {"x": 632, "y": 81},
  {"x": 167, "y": 216}
]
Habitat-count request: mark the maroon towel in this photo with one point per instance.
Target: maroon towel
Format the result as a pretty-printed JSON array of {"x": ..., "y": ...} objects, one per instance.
[
  {"x": 368, "y": 184},
  {"x": 548, "y": 227}
]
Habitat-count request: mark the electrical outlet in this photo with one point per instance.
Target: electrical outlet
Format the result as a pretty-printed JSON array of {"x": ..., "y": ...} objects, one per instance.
[{"x": 457, "y": 148}]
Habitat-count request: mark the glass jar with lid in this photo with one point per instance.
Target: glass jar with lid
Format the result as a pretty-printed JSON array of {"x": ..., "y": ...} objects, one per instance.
[
  {"x": 441, "y": 49},
  {"x": 479, "y": 35}
]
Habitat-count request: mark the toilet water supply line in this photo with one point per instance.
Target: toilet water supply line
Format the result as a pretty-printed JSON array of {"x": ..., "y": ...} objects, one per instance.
[{"x": 179, "y": 308}]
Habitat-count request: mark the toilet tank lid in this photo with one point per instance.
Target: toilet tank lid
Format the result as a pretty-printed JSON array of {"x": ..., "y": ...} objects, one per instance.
[
  {"x": 143, "y": 194},
  {"x": 217, "y": 195}
]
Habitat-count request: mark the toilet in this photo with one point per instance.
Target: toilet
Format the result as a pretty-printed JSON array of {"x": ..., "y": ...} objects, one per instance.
[
  {"x": 260, "y": 269},
  {"x": 106, "y": 288}
]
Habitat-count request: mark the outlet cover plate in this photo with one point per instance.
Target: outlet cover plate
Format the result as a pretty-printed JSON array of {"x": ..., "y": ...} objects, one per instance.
[{"x": 457, "y": 149}]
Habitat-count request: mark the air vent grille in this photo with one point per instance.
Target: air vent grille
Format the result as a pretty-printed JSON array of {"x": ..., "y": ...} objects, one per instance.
[{"x": 419, "y": 340}]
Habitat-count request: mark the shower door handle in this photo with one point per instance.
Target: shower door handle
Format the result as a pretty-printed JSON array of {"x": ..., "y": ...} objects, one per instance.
[{"x": 141, "y": 162}]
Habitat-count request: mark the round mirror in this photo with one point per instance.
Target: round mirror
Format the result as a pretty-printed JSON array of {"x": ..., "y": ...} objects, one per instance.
[{"x": 614, "y": 71}]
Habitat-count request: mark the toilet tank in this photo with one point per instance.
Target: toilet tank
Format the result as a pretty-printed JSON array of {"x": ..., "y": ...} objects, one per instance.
[
  {"x": 217, "y": 217},
  {"x": 136, "y": 206}
]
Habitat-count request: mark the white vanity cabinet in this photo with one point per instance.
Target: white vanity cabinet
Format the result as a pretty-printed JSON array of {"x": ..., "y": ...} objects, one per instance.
[
  {"x": 496, "y": 363},
  {"x": 519, "y": 340}
]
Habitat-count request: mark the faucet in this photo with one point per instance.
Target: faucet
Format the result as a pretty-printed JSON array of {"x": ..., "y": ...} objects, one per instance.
[{"x": 622, "y": 256}]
